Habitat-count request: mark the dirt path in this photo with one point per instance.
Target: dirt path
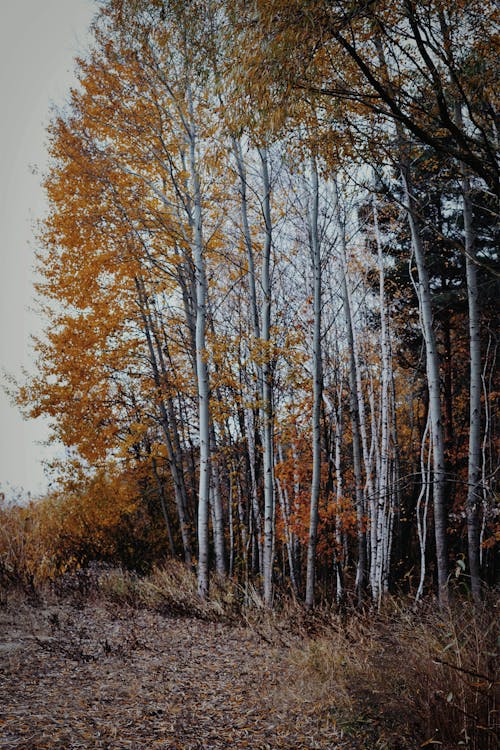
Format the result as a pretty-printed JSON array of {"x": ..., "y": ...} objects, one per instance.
[{"x": 98, "y": 678}]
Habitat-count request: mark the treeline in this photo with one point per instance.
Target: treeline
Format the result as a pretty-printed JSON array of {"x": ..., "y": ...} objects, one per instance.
[{"x": 269, "y": 277}]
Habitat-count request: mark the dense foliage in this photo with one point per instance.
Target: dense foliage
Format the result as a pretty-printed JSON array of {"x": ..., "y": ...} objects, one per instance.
[{"x": 268, "y": 263}]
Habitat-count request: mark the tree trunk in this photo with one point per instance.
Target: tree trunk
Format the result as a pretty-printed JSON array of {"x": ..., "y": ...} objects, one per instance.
[
  {"x": 218, "y": 525},
  {"x": 284, "y": 502},
  {"x": 317, "y": 385},
  {"x": 201, "y": 364},
  {"x": 433, "y": 383},
  {"x": 384, "y": 510},
  {"x": 474, "y": 463},
  {"x": 355, "y": 410},
  {"x": 267, "y": 406},
  {"x": 163, "y": 505}
]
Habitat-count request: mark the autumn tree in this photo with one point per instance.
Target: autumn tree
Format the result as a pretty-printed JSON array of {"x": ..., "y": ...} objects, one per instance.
[{"x": 264, "y": 226}]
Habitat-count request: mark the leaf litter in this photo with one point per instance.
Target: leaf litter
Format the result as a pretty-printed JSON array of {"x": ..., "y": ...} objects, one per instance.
[{"x": 115, "y": 678}]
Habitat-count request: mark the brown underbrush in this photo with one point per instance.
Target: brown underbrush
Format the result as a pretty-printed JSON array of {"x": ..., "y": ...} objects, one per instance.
[
  {"x": 400, "y": 678},
  {"x": 396, "y": 679},
  {"x": 405, "y": 677},
  {"x": 172, "y": 589}
]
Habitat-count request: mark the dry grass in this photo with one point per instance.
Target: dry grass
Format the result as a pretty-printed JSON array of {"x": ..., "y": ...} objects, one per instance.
[
  {"x": 397, "y": 679},
  {"x": 405, "y": 678},
  {"x": 171, "y": 589}
]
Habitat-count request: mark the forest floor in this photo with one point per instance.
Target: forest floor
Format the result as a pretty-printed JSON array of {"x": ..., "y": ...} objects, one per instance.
[{"x": 102, "y": 676}]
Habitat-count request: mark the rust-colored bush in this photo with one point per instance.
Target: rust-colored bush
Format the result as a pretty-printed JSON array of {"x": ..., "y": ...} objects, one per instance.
[{"x": 101, "y": 520}]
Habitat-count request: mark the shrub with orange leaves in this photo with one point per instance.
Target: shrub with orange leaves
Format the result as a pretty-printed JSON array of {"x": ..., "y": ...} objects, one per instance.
[{"x": 104, "y": 519}]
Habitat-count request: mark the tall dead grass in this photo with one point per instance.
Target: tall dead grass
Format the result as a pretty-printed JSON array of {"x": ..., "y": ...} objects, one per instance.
[
  {"x": 406, "y": 678},
  {"x": 171, "y": 588}
]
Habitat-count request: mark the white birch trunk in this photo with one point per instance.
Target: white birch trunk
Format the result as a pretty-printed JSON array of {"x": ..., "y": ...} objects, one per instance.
[
  {"x": 433, "y": 384},
  {"x": 474, "y": 489},
  {"x": 201, "y": 363},
  {"x": 317, "y": 385},
  {"x": 384, "y": 510},
  {"x": 355, "y": 405},
  {"x": 267, "y": 407}
]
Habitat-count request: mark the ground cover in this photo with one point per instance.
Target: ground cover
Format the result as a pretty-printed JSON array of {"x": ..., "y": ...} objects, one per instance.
[
  {"x": 105, "y": 659},
  {"x": 104, "y": 676}
]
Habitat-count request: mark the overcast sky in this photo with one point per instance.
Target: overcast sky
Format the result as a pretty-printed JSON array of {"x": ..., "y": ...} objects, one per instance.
[{"x": 39, "y": 40}]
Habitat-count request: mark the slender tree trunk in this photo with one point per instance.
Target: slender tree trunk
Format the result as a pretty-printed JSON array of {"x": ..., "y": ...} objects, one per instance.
[
  {"x": 488, "y": 468},
  {"x": 433, "y": 384},
  {"x": 248, "y": 241},
  {"x": 252, "y": 460},
  {"x": 218, "y": 525},
  {"x": 474, "y": 465},
  {"x": 317, "y": 385},
  {"x": 163, "y": 505},
  {"x": 396, "y": 503},
  {"x": 231, "y": 529},
  {"x": 339, "y": 492},
  {"x": 251, "y": 429},
  {"x": 201, "y": 363},
  {"x": 285, "y": 512},
  {"x": 354, "y": 404},
  {"x": 425, "y": 472},
  {"x": 267, "y": 405},
  {"x": 384, "y": 495},
  {"x": 474, "y": 489},
  {"x": 243, "y": 514}
]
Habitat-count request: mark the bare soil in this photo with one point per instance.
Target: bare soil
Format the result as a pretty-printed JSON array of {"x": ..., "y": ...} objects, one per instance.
[{"x": 101, "y": 676}]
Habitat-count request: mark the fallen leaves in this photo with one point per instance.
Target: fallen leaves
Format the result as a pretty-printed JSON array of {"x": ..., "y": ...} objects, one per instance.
[{"x": 120, "y": 679}]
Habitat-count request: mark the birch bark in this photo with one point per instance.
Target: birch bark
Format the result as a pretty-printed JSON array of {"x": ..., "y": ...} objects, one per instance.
[
  {"x": 267, "y": 407},
  {"x": 384, "y": 510},
  {"x": 354, "y": 405},
  {"x": 317, "y": 384},
  {"x": 201, "y": 360}
]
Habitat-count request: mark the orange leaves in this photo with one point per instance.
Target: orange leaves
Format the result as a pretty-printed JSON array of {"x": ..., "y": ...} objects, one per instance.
[{"x": 65, "y": 530}]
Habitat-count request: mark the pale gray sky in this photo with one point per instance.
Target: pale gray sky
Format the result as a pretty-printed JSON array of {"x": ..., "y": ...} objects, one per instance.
[{"x": 38, "y": 42}]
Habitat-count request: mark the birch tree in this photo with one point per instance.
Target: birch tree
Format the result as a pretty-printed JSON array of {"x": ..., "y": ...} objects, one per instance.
[
  {"x": 267, "y": 393},
  {"x": 317, "y": 375}
]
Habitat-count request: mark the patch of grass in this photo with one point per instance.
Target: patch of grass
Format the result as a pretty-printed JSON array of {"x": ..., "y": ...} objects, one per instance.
[
  {"x": 287, "y": 624},
  {"x": 404, "y": 678},
  {"x": 172, "y": 590},
  {"x": 119, "y": 586}
]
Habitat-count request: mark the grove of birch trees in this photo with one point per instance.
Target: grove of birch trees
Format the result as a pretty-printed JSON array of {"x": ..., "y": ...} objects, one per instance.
[{"x": 268, "y": 273}]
